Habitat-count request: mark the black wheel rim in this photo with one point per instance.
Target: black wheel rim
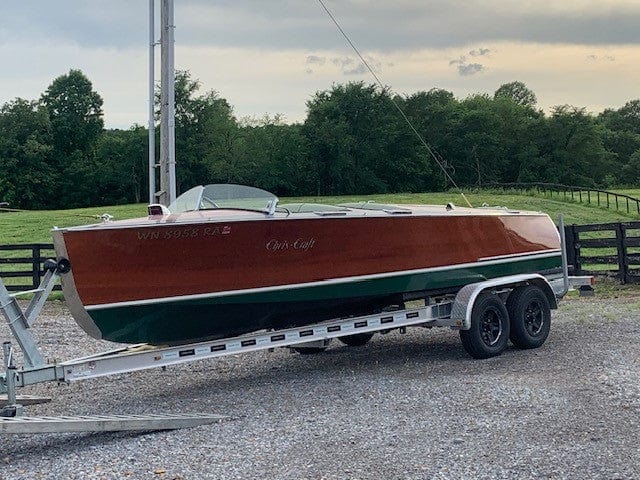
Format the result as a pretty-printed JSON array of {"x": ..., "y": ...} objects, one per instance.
[
  {"x": 490, "y": 327},
  {"x": 533, "y": 318}
]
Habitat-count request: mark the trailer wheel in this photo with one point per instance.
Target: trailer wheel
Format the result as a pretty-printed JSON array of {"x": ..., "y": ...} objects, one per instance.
[
  {"x": 530, "y": 316},
  {"x": 489, "y": 332},
  {"x": 357, "y": 339}
]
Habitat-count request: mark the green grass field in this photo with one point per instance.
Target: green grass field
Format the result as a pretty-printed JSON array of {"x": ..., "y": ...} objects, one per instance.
[{"x": 632, "y": 192}]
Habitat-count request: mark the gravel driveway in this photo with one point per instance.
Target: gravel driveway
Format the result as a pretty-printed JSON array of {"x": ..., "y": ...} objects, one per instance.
[{"x": 411, "y": 406}]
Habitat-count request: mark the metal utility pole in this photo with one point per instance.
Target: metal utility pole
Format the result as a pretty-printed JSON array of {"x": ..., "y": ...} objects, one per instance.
[
  {"x": 167, "y": 193},
  {"x": 152, "y": 123}
]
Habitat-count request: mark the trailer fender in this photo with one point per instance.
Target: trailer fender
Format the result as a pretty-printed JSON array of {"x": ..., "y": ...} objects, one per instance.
[{"x": 467, "y": 295}]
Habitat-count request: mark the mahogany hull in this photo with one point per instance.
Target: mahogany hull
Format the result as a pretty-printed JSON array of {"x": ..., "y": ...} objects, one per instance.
[{"x": 189, "y": 278}]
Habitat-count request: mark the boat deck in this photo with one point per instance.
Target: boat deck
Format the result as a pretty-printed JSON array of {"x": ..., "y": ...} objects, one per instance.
[{"x": 311, "y": 211}]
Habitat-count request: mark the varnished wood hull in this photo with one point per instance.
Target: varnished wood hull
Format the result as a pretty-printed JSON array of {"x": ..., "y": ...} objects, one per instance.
[{"x": 196, "y": 277}]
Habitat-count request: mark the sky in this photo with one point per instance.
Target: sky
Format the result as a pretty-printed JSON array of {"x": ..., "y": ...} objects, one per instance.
[{"x": 269, "y": 57}]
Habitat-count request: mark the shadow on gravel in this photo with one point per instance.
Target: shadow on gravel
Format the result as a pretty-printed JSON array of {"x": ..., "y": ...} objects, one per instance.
[
  {"x": 403, "y": 358},
  {"x": 29, "y": 445},
  {"x": 410, "y": 358}
]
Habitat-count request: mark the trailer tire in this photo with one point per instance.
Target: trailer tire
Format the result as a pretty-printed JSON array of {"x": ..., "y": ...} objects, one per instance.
[
  {"x": 489, "y": 332},
  {"x": 357, "y": 339},
  {"x": 530, "y": 316}
]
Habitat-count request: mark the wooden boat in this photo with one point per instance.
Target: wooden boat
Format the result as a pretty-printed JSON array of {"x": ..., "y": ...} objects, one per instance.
[{"x": 223, "y": 260}]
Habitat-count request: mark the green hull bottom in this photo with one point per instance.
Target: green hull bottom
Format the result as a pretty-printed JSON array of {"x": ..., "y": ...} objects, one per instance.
[{"x": 180, "y": 321}]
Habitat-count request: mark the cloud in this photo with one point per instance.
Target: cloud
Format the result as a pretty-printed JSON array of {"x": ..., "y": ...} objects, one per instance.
[
  {"x": 470, "y": 69},
  {"x": 316, "y": 60},
  {"x": 601, "y": 58},
  {"x": 480, "y": 52},
  {"x": 342, "y": 61},
  {"x": 407, "y": 24},
  {"x": 393, "y": 26},
  {"x": 359, "y": 70},
  {"x": 466, "y": 69},
  {"x": 347, "y": 65},
  {"x": 100, "y": 23}
]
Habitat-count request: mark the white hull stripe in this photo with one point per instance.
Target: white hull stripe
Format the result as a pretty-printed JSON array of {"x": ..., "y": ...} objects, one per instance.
[
  {"x": 323, "y": 283},
  {"x": 514, "y": 255}
]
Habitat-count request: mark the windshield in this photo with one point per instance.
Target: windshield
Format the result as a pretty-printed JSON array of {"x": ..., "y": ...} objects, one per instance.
[{"x": 225, "y": 196}]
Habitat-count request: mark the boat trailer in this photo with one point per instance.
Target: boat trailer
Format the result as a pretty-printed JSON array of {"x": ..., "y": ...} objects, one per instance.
[{"x": 454, "y": 311}]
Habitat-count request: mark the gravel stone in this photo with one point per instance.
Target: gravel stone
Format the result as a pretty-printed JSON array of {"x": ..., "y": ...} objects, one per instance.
[{"x": 410, "y": 406}]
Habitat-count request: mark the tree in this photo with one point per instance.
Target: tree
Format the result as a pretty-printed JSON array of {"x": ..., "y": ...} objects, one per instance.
[
  {"x": 621, "y": 137},
  {"x": 572, "y": 149},
  {"x": 75, "y": 111},
  {"x": 359, "y": 143},
  {"x": 478, "y": 155},
  {"x": 25, "y": 152},
  {"x": 122, "y": 166},
  {"x": 519, "y": 127},
  {"x": 276, "y": 157},
  {"x": 631, "y": 171},
  {"x": 207, "y": 136},
  {"x": 621, "y": 144},
  {"x": 518, "y": 92},
  {"x": 432, "y": 113},
  {"x": 626, "y": 118}
]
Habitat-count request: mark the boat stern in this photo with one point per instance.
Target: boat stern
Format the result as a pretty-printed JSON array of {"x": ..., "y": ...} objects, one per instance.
[{"x": 72, "y": 299}]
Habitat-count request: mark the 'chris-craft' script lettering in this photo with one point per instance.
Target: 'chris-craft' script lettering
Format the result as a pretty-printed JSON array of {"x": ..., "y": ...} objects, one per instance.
[{"x": 299, "y": 244}]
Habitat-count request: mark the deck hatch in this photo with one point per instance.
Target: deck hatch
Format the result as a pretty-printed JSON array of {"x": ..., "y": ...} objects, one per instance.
[
  {"x": 397, "y": 211},
  {"x": 331, "y": 214}
]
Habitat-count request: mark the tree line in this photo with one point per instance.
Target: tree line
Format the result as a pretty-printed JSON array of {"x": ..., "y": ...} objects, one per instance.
[{"x": 56, "y": 153}]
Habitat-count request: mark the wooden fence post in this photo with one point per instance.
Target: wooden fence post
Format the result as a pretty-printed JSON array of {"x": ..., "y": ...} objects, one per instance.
[
  {"x": 570, "y": 241},
  {"x": 575, "y": 250},
  {"x": 35, "y": 266},
  {"x": 621, "y": 234}
]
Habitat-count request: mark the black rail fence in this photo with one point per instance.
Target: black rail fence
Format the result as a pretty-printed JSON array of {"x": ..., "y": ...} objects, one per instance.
[
  {"x": 605, "y": 248},
  {"x": 21, "y": 266},
  {"x": 611, "y": 249},
  {"x": 601, "y": 198}
]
